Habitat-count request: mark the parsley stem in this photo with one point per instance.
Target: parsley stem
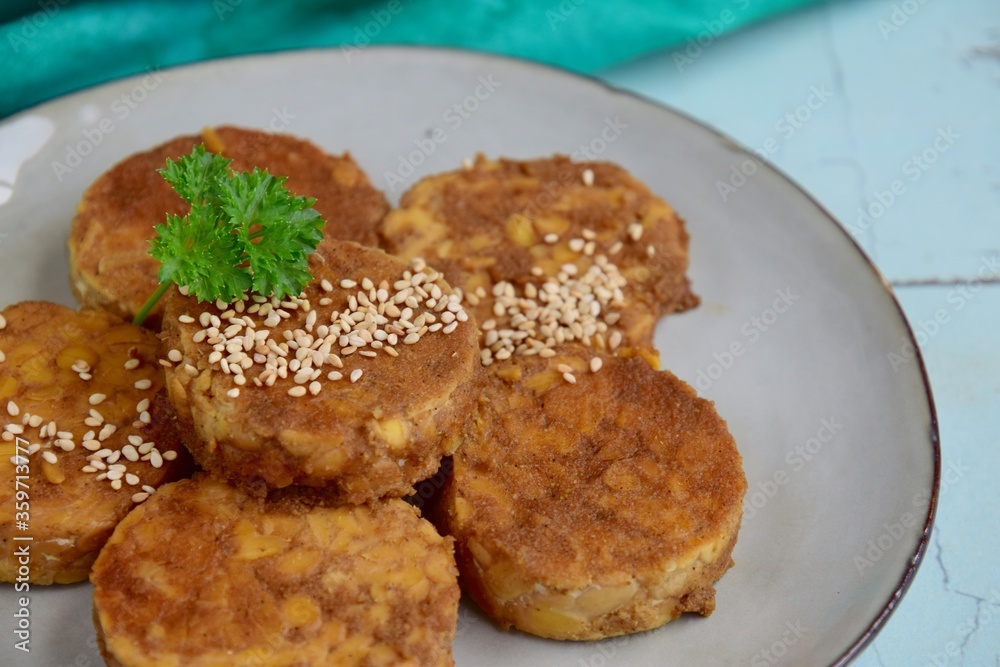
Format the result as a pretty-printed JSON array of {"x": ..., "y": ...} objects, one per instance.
[{"x": 151, "y": 302}]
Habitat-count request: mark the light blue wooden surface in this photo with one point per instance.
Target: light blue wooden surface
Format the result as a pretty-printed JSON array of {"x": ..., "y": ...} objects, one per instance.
[{"x": 905, "y": 95}]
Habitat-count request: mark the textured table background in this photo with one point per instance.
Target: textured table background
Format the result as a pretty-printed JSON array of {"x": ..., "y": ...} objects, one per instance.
[{"x": 904, "y": 94}]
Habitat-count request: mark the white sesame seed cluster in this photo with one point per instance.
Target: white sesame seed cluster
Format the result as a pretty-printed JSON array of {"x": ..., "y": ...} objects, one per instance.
[
  {"x": 565, "y": 308},
  {"x": 110, "y": 457},
  {"x": 247, "y": 345}
]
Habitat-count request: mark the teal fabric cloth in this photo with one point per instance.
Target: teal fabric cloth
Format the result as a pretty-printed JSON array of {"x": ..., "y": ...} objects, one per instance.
[{"x": 52, "y": 47}]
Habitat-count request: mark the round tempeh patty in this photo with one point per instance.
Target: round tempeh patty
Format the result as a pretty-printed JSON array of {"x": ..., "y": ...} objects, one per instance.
[
  {"x": 587, "y": 504},
  {"x": 77, "y": 389},
  {"x": 110, "y": 263},
  {"x": 357, "y": 389},
  {"x": 203, "y": 574},
  {"x": 518, "y": 224}
]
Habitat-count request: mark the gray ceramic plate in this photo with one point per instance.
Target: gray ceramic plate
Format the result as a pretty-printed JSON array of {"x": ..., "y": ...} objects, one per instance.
[{"x": 794, "y": 338}]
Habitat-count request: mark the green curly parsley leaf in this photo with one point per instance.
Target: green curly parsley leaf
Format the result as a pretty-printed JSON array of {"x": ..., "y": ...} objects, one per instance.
[
  {"x": 245, "y": 231},
  {"x": 277, "y": 231}
]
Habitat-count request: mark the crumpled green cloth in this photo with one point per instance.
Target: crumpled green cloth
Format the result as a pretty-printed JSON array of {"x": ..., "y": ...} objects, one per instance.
[{"x": 52, "y": 47}]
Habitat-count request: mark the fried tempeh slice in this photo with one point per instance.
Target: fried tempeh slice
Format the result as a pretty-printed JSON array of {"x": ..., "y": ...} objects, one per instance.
[
  {"x": 84, "y": 394},
  {"x": 520, "y": 224},
  {"x": 202, "y": 574},
  {"x": 594, "y": 497},
  {"x": 359, "y": 386},
  {"x": 109, "y": 241}
]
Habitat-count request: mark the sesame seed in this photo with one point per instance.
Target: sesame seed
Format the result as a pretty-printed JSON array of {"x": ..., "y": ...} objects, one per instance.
[
  {"x": 356, "y": 374},
  {"x": 326, "y": 285},
  {"x": 564, "y": 368},
  {"x": 3, "y": 322},
  {"x": 96, "y": 399},
  {"x": 551, "y": 239},
  {"x": 139, "y": 497},
  {"x": 50, "y": 457},
  {"x": 233, "y": 393},
  {"x": 131, "y": 479},
  {"x": 348, "y": 284},
  {"x": 175, "y": 356},
  {"x": 131, "y": 364},
  {"x": 297, "y": 391},
  {"x": 16, "y": 429},
  {"x": 588, "y": 177},
  {"x": 595, "y": 364},
  {"x": 185, "y": 319},
  {"x": 116, "y": 484},
  {"x": 145, "y": 417},
  {"x": 576, "y": 245},
  {"x": 314, "y": 387},
  {"x": 169, "y": 455},
  {"x": 569, "y": 377},
  {"x": 106, "y": 432},
  {"x": 155, "y": 458},
  {"x": 145, "y": 383},
  {"x": 35, "y": 421},
  {"x": 12, "y": 409},
  {"x": 635, "y": 230},
  {"x": 130, "y": 452},
  {"x": 92, "y": 445}
]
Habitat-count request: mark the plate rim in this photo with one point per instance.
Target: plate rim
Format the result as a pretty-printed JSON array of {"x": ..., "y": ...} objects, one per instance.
[{"x": 916, "y": 559}]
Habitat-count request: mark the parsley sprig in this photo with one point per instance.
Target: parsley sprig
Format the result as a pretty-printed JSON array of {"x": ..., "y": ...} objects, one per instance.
[{"x": 245, "y": 231}]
